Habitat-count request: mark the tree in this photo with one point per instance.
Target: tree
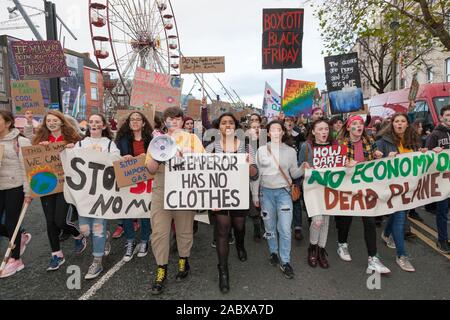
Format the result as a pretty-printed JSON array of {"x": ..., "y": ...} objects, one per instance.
[{"x": 383, "y": 29}]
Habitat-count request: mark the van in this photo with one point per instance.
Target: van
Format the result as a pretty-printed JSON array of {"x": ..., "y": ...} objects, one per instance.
[{"x": 431, "y": 98}]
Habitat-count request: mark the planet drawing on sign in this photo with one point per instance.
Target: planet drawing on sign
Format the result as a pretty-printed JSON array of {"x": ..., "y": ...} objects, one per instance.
[{"x": 43, "y": 182}]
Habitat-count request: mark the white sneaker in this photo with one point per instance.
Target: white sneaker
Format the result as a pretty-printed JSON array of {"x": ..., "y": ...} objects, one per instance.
[
  {"x": 343, "y": 252},
  {"x": 143, "y": 249},
  {"x": 376, "y": 265},
  {"x": 388, "y": 240},
  {"x": 405, "y": 264},
  {"x": 131, "y": 247}
]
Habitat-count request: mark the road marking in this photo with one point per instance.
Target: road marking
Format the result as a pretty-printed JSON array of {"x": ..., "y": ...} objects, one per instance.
[
  {"x": 424, "y": 227},
  {"x": 99, "y": 284},
  {"x": 428, "y": 242}
]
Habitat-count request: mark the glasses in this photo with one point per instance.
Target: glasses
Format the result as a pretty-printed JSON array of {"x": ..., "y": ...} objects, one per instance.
[{"x": 135, "y": 119}]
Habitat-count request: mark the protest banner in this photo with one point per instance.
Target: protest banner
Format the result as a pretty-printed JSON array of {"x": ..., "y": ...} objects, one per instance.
[
  {"x": 91, "y": 186},
  {"x": 207, "y": 181},
  {"x": 329, "y": 156},
  {"x": 272, "y": 101},
  {"x": 147, "y": 111},
  {"x": 298, "y": 97},
  {"x": 282, "y": 38},
  {"x": 43, "y": 168},
  {"x": 202, "y": 65},
  {"x": 27, "y": 95},
  {"x": 194, "y": 109},
  {"x": 155, "y": 89},
  {"x": 39, "y": 59},
  {"x": 131, "y": 172},
  {"x": 379, "y": 187},
  {"x": 344, "y": 83}
]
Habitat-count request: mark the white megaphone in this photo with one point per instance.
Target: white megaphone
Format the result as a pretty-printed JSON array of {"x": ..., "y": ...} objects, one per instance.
[{"x": 163, "y": 148}]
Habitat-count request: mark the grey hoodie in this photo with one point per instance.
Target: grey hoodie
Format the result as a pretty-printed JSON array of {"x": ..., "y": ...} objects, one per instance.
[{"x": 12, "y": 169}]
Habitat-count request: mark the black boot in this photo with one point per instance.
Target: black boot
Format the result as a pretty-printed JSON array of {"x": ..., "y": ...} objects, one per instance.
[
  {"x": 183, "y": 269},
  {"x": 224, "y": 278},
  {"x": 242, "y": 253},
  {"x": 160, "y": 278}
]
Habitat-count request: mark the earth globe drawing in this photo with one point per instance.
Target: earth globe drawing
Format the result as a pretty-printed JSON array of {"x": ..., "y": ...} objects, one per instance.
[{"x": 43, "y": 183}]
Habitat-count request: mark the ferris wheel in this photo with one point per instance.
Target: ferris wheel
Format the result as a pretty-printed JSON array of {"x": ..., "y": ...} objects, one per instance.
[{"x": 127, "y": 34}]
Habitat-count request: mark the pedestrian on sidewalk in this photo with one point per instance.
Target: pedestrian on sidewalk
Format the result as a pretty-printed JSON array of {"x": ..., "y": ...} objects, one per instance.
[{"x": 56, "y": 128}]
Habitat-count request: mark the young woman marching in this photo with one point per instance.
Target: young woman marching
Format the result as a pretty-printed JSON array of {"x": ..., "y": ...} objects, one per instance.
[
  {"x": 56, "y": 128},
  {"x": 318, "y": 231},
  {"x": 277, "y": 165},
  {"x": 229, "y": 143},
  {"x": 14, "y": 187},
  {"x": 133, "y": 139},
  {"x": 99, "y": 138},
  {"x": 399, "y": 137},
  {"x": 361, "y": 148}
]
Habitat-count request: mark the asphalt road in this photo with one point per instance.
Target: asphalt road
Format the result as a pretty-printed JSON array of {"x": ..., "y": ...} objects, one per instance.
[{"x": 253, "y": 279}]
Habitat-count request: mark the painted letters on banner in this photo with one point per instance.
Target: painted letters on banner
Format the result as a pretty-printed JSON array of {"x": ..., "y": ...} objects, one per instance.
[
  {"x": 44, "y": 169},
  {"x": 39, "y": 59},
  {"x": 298, "y": 97},
  {"x": 379, "y": 187},
  {"x": 333, "y": 156},
  {"x": 207, "y": 181},
  {"x": 282, "y": 38},
  {"x": 91, "y": 186},
  {"x": 155, "y": 89}
]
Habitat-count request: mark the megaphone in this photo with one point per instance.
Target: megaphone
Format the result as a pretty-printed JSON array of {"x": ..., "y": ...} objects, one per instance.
[{"x": 163, "y": 148}]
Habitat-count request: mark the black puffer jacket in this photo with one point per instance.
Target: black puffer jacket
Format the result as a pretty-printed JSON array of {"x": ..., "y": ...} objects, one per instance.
[{"x": 440, "y": 137}]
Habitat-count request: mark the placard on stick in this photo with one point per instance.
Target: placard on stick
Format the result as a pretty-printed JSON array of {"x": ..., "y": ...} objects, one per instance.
[
  {"x": 27, "y": 95},
  {"x": 202, "y": 65},
  {"x": 131, "y": 172},
  {"x": 44, "y": 169}
]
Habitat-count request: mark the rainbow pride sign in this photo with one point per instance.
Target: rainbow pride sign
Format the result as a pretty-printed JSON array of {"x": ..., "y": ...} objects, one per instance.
[{"x": 298, "y": 97}]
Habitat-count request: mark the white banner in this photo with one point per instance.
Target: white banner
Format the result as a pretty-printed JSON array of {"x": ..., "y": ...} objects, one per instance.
[
  {"x": 207, "y": 181},
  {"x": 273, "y": 102},
  {"x": 90, "y": 185},
  {"x": 379, "y": 187}
]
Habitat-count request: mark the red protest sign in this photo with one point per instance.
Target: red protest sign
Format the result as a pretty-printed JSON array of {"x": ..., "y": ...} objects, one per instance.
[
  {"x": 282, "y": 38},
  {"x": 329, "y": 156}
]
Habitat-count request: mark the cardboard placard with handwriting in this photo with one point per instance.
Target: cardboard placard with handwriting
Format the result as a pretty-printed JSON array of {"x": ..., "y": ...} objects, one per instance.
[
  {"x": 131, "y": 172},
  {"x": 194, "y": 109},
  {"x": 44, "y": 169},
  {"x": 27, "y": 95},
  {"x": 148, "y": 112},
  {"x": 202, "y": 65}
]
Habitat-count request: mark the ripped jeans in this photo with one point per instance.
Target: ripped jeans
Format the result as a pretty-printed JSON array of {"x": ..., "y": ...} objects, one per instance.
[
  {"x": 98, "y": 229},
  {"x": 276, "y": 211}
]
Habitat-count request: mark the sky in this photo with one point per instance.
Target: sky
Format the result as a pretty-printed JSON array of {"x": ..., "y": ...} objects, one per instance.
[{"x": 230, "y": 28}]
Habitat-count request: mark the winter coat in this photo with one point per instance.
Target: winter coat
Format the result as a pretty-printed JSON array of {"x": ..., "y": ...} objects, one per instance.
[{"x": 440, "y": 137}]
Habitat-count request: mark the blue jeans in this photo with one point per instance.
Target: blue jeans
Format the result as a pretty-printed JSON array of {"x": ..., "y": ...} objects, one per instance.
[
  {"x": 130, "y": 234},
  {"x": 98, "y": 229},
  {"x": 441, "y": 219},
  {"x": 396, "y": 226},
  {"x": 276, "y": 211}
]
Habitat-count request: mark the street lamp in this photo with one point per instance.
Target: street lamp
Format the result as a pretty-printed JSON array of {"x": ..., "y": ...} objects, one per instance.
[{"x": 12, "y": 13}]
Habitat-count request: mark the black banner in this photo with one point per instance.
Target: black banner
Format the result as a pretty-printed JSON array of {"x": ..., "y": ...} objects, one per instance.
[{"x": 282, "y": 38}]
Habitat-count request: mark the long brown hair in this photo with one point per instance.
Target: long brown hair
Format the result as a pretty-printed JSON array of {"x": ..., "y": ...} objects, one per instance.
[
  {"x": 69, "y": 132},
  {"x": 311, "y": 137},
  {"x": 411, "y": 139},
  {"x": 125, "y": 129},
  {"x": 8, "y": 117},
  {"x": 106, "y": 133}
]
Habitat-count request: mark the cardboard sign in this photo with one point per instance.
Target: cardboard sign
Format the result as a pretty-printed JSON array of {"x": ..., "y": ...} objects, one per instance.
[
  {"x": 91, "y": 186},
  {"x": 194, "y": 109},
  {"x": 379, "y": 187},
  {"x": 207, "y": 181},
  {"x": 39, "y": 59},
  {"x": 147, "y": 111},
  {"x": 202, "y": 65},
  {"x": 282, "y": 38},
  {"x": 131, "y": 172},
  {"x": 329, "y": 156},
  {"x": 27, "y": 95},
  {"x": 155, "y": 89},
  {"x": 44, "y": 169},
  {"x": 344, "y": 83}
]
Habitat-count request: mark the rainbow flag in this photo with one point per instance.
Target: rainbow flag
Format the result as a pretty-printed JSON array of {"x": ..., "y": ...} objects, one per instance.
[{"x": 298, "y": 97}]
